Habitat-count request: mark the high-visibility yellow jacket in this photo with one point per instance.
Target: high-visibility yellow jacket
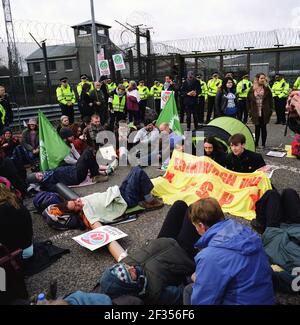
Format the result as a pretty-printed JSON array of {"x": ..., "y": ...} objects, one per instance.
[
  {"x": 65, "y": 95},
  {"x": 297, "y": 84},
  {"x": 204, "y": 89},
  {"x": 3, "y": 114},
  {"x": 111, "y": 87},
  {"x": 156, "y": 91},
  {"x": 213, "y": 85},
  {"x": 118, "y": 103},
  {"x": 280, "y": 89},
  {"x": 126, "y": 85},
  {"x": 144, "y": 92},
  {"x": 242, "y": 88},
  {"x": 79, "y": 87}
]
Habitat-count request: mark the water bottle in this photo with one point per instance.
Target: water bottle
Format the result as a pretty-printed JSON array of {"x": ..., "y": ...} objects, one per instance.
[{"x": 41, "y": 299}]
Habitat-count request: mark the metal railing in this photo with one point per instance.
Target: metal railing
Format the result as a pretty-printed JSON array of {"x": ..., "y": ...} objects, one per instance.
[{"x": 23, "y": 114}]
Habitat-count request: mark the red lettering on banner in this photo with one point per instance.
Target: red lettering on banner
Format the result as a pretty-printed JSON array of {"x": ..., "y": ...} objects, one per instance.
[
  {"x": 215, "y": 171},
  {"x": 254, "y": 199},
  {"x": 169, "y": 177},
  {"x": 204, "y": 189},
  {"x": 231, "y": 179},
  {"x": 226, "y": 198},
  {"x": 223, "y": 177},
  {"x": 208, "y": 167},
  {"x": 246, "y": 182},
  {"x": 180, "y": 165}
]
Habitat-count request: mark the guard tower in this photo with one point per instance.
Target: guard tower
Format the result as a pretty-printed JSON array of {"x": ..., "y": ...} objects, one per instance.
[{"x": 84, "y": 43}]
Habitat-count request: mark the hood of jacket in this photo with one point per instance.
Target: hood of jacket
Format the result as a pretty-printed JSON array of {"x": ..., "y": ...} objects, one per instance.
[{"x": 231, "y": 235}]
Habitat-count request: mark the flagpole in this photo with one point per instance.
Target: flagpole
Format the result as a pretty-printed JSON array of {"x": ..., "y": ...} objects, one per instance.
[{"x": 94, "y": 38}]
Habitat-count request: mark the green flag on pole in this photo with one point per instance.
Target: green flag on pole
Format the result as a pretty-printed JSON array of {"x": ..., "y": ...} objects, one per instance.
[
  {"x": 52, "y": 148},
  {"x": 169, "y": 115}
]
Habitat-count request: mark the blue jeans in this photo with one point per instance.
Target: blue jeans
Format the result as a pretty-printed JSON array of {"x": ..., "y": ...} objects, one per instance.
[
  {"x": 135, "y": 187},
  {"x": 84, "y": 298},
  {"x": 171, "y": 295}
]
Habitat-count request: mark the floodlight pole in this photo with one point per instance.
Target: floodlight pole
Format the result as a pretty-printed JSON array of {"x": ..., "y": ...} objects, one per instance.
[{"x": 94, "y": 38}]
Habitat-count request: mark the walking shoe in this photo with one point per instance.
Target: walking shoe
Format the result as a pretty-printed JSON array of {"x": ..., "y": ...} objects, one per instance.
[
  {"x": 152, "y": 205},
  {"x": 100, "y": 179}
]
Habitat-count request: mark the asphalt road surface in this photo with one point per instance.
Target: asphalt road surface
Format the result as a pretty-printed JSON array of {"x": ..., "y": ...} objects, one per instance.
[{"x": 81, "y": 269}]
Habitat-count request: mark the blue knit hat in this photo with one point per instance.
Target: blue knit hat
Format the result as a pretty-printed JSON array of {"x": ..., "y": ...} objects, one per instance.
[{"x": 116, "y": 281}]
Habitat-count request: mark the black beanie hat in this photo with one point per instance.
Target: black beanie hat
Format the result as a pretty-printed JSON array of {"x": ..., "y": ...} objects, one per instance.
[{"x": 65, "y": 133}]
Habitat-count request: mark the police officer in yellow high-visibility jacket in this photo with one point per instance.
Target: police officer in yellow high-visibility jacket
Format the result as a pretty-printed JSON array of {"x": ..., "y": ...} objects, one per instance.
[
  {"x": 280, "y": 91},
  {"x": 212, "y": 88},
  {"x": 2, "y": 118},
  {"x": 202, "y": 98},
  {"x": 117, "y": 106},
  {"x": 66, "y": 99},
  {"x": 155, "y": 92},
  {"x": 144, "y": 94},
  {"x": 111, "y": 86},
  {"x": 84, "y": 79},
  {"x": 242, "y": 90},
  {"x": 297, "y": 84}
]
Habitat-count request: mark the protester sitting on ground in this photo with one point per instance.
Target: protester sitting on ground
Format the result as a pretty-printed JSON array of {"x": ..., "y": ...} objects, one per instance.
[
  {"x": 105, "y": 207},
  {"x": 72, "y": 158},
  {"x": 30, "y": 141},
  {"x": 213, "y": 150},
  {"x": 148, "y": 134},
  {"x": 64, "y": 123},
  {"x": 231, "y": 267},
  {"x": 15, "y": 224},
  {"x": 240, "y": 159},
  {"x": 86, "y": 121},
  {"x": 9, "y": 170},
  {"x": 79, "y": 144},
  {"x": 91, "y": 131},
  {"x": 72, "y": 175},
  {"x": 278, "y": 219},
  {"x": 79, "y": 298},
  {"x": 174, "y": 138},
  {"x": 8, "y": 142},
  {"x": 155, "y": 273}
]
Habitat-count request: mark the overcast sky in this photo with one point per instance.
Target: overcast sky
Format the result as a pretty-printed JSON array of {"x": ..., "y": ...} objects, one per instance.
[{"x": 171, "y": 19}]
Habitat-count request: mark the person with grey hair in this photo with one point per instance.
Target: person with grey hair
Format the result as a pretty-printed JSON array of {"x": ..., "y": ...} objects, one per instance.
[
  {"x": 117, "y": 106},
  {"x": 190, "y": 91}
]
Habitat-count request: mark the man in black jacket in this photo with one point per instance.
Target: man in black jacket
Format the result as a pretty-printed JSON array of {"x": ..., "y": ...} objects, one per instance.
[
  {"x": 240, "y": 159},
  {"x": 190, "y": 91}
]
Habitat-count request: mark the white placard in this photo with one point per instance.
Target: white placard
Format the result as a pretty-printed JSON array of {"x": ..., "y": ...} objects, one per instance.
[
  {"x": 104, "y": 67},
  {"x": 99, "y": 237},
  {"x": 119, "y": 62}
]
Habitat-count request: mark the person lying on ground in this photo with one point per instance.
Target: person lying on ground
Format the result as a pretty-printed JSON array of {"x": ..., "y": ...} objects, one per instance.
[
  {"x": 105, "y": 207},
  {"x": 231, "y": 267},
  {"x": 72, "y": 175},
  {"x": 240, "y": 159},
  {"x": 278, "y": 220},
  {"x": 146, "y": 273}
]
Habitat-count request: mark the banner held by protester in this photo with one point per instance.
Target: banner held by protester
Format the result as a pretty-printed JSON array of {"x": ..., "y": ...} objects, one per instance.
[
  {"x": 190, "y": 178},
  {"x": 52, "y": 148},
  {"x": 170, "y": 116}
]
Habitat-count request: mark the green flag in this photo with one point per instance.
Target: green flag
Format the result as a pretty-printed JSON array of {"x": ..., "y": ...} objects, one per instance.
[
  {"x": 52, "y": 148},
  {"x": 169, "y": 115}
]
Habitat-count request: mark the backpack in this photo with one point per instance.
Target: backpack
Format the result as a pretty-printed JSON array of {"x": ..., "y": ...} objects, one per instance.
[
  {"x": 296, "y": 146},
  {"x": 42, "y": 200},
  {"x": 64, "y": 222}
]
